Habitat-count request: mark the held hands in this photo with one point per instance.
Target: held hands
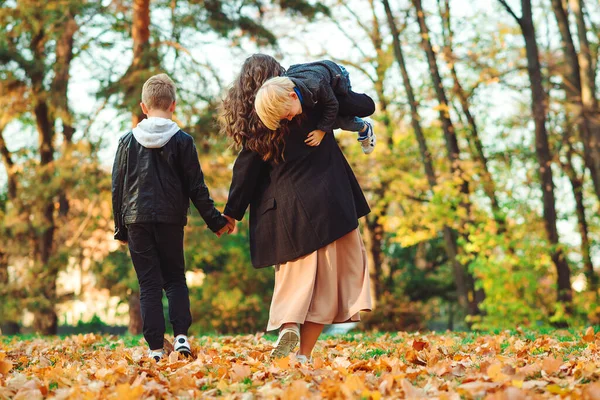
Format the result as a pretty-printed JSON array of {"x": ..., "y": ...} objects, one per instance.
[
  {"x": 230, "y": 227},
  {"x": 314, "y": 138}
]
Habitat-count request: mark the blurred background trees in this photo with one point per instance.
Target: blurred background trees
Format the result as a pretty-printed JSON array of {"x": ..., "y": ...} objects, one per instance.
[{"x": 485, "y": 184}]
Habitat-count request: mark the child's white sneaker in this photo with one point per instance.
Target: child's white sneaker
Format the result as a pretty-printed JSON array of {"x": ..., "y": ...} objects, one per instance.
[
  {"x": 367, "y": 139},
  {"x": 286, "y": 342},
  {"x": 182, "y": 345},
  {"x": 156, "y": 355}
]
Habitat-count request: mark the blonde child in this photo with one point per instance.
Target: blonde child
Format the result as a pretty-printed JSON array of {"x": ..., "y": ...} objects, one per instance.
[{"x": 322, "y": 83}]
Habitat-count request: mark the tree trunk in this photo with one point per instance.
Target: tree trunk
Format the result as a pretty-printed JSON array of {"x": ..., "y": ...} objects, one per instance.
[
  {"x": 538, "y": 108},
  {"x": 571, "y": 76},
  {"x": 135, "y": 313},
  {"x": 591, "y": 110},
  {"x": 140, "y": 33},
  {"x": 577, "y": 185},
  {"x": 60, "y": 85},
  {"x": 449, "y": 237},
  {"x": 46, "y": 320},
  {"x": 453, "y": 152},
  {"x": 489, "y": 185},
  {"x": 9, "y": 166}
]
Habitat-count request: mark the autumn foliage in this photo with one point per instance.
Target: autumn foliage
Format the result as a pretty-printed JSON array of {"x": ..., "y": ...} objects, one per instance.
[{"x": 507, "y": 365}]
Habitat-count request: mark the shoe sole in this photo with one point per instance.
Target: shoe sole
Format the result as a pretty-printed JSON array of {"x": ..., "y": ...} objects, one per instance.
[
  {"x": 186, "y": 352},
  {"x": 286, "y": 344}
]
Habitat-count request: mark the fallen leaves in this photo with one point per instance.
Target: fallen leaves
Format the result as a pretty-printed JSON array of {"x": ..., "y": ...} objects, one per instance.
[{"x": 449, "y": 366}]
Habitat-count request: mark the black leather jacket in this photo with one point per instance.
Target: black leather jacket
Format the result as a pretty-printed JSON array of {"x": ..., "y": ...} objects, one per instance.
[{"x": 156, "y": 185}]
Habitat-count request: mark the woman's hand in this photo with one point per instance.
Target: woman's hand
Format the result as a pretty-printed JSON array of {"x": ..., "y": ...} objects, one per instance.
[{"x": 314, "y": 138}]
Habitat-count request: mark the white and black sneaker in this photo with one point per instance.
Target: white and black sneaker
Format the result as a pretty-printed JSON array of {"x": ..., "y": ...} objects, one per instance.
[
  {"x": 156, "y": 355},
  {"x": 182, "y": 345},
  {"x": 367, "y": 139}
]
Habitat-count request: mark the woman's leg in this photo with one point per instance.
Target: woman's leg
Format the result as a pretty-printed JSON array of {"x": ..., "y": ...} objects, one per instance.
[{"x": 309, "y": 333}]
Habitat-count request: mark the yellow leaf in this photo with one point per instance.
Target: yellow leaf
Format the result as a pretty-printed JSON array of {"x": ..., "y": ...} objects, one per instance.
[
  {"x": 555, "y": 389},
  {"x": 354, "y": 383},
  {"x": 517, "y": 383},
  {"x": 495, "y": 373},
  {"x": 126, "y": 392}
]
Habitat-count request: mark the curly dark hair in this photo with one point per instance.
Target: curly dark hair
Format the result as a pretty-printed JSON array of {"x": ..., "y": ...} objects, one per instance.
[{"x": 237, "y": 116}]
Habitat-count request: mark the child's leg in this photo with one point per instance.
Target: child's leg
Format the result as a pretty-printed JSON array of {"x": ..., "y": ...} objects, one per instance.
[
  {"x": 144, "y": 255},
  {"x": 170, "y": 244},
  {"x": 356, "y": 104},
  {"x": 350, "y": 123}
]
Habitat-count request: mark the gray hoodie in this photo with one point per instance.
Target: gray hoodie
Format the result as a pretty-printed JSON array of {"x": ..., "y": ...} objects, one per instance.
[{"x": 155, "y": 132}]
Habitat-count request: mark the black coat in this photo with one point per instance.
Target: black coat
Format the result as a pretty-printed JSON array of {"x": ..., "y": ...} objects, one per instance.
[
  {"x": 300, "y": 205},
  {"x": 156, "y": 185},
  {"x": 319, "y": 84}
]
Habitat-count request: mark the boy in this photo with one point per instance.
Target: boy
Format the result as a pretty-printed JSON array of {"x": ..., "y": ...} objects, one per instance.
[
  {"x": 155, "y": 174},
  {"x": 321, "y": 82}
]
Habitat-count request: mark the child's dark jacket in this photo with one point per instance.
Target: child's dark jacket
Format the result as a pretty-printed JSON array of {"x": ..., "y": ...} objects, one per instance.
[
  {"x": 156, "y": 184},
  {"x": 319, "y": 83}
]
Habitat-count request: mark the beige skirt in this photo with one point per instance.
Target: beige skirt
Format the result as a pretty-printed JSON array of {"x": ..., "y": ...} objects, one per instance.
[{"x": 330, "y": 285}]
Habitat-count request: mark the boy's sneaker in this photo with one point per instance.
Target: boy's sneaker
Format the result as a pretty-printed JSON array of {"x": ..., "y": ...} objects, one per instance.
[
  {"x": 182, "y": 345},
  {"x": 367, "y": 139},
  {"x": 156, "y": 355},
  {"x": 286, "y": 342}
]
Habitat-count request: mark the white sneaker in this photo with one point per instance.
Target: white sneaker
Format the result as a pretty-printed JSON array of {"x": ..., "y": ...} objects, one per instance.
[
  {"x": 286, "y": 342},
  {"x": 182, "y": 345},
  {"x": 156, "y": 355},
  {"x": 368, "y": 143},
  {"x": 302, "y": 359}
]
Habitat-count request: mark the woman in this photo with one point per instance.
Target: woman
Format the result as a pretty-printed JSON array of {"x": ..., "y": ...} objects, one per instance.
[{"x": 305, "y": 203}]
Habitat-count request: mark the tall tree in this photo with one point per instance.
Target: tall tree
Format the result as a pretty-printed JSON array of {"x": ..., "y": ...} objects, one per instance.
[
  {"x": 451, "y": 246},
  {"x": 475, "y": 297},
  {"x": 591, "y": 109},
  {"x": 574, "y": 110},
  {"x": 39, "y": 42},
  {"x": 544, "y": 157},
  {"x": 488, "y": 183}
]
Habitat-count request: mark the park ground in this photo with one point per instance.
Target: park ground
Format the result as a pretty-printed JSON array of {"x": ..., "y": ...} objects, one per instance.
[{"x": 496, "y": 365}]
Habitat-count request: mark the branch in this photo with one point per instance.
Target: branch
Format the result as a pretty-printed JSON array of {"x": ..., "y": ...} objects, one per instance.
[{"x": 511, "y": 12}]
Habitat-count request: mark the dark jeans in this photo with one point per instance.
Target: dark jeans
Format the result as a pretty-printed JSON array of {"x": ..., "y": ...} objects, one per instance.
[
  {"x": 157, "y": 254},
  {"x": 352, "y": 107}
]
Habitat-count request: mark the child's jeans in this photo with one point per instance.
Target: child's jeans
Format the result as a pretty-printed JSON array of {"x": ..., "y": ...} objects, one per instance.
[
  {"x": 352, "y": 107},
  {"x": 157, "y": 254}
]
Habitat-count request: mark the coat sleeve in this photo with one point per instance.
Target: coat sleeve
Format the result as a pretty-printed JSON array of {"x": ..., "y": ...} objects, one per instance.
[
  {"x": 193, "y": 180},
  {"x": 326, "y": 97},
  {"x": 118, "y": 172},
  {"x": 246, "y": 173}
]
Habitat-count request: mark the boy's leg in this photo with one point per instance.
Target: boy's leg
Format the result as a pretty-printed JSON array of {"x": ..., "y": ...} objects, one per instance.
[
  {"x": 356, "y": 104},
  {"x": 170, "y": 243},
  {"x": 146, "y": 262},
  {"x": 350, "y": 123}
]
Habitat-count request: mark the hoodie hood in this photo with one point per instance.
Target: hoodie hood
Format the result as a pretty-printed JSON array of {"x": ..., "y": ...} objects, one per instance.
[{"x": 155, "y": 132}]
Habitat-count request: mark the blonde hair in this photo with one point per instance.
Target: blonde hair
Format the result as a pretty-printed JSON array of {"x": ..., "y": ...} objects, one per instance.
[
  {"x": 158, "y": 93},
  {"x": 273, "y": 100}
]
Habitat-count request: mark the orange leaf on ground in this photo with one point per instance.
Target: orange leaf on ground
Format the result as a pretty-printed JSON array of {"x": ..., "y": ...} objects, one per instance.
[
  {"x": 239, "y": 372},
  {"x": 296, "y": 391},
  {"x": 551, "y": 365},
  {"x": 592, "y": 392},
  {"x": 418, "y": 345},
  {"x": 589, "y": 335},
  {"x": 412, "y": 392},
  {"x": 5, "y": 367}
]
